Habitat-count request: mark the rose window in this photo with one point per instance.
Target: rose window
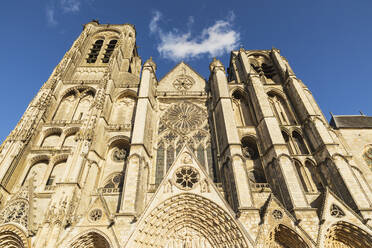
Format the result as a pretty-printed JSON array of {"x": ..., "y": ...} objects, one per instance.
[
  {"x": 95, "y": 214},
  {"x": 336, "y": 211},
  {"x": 183, "y": 83},
  {"x": 186, "y": 177},
  {"x": 119, "y": 154},
  {"x": 184, "y": 117},
  {"x": 277, "y": 214}
]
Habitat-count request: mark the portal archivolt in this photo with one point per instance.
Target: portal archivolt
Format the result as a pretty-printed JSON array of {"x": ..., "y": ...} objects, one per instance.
[
  {"x": 12, "y": 237},
  {"x": 90, "y": 240},
  {"x": 191, "y": 221},
  {"x": 346, "y": 235}
]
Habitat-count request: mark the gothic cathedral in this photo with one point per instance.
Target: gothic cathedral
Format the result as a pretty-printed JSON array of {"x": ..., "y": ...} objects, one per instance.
[{"x": 109, "y": 156}]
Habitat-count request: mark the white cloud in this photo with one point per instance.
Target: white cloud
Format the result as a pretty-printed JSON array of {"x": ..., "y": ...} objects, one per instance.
[
  {"x": 61, "y": 7},
  {"x": 215, "y": 40},
  {"x": 70, "y": 5},
  {"x": 50, "y": 16}
]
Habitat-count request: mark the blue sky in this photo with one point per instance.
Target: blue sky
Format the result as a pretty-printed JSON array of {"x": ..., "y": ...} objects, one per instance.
[{"x": 327, "y": 43}]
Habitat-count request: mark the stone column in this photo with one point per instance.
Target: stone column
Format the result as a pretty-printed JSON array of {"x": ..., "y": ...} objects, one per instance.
[
  {"x": 139, "y": 151},
  {"x": 313, "y": 117},
  {"x": 269, "y": 131},
  {"x": 228, "y": 138}
]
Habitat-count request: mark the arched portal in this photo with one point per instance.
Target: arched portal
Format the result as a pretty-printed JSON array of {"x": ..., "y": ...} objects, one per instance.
[
  {"x": 12, "y": 237},
  {"x": 188, "y": 220},
  {"x": 346, "y": 235},
  {"x": 284, "y": 237},
  {"x": 91, "y": 240}
]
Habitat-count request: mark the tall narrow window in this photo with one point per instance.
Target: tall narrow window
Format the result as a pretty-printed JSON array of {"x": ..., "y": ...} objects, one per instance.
[
  {"x": 315, "y": 176},
  {"x": 170, "y": 156},
  {"x": 253, "y": 160},
  {"x": 56, "y": 175},
  {"x": 94, "y": 51},
  {"x": 287, "y": 141},
  {"x": 200, "y": 154},
  {"x": 159, "y": 164},
  {"x": 304, "y": 175},
  {"x": 281, "y": 110},
  {"x": 37, "y": 171},
  {"x": 110, "y": 48},
  {"x": 299, "y": 143}
]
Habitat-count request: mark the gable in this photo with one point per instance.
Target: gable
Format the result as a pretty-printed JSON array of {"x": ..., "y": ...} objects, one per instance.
[
  {"x": 182, "y": 78},
  {"x": 188, "y": 200}
]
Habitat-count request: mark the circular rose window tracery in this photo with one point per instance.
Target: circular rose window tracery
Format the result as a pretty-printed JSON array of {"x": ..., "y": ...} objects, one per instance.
[
  {"x": 186, "y": 177},
  {"x": 184, "y": 117}
]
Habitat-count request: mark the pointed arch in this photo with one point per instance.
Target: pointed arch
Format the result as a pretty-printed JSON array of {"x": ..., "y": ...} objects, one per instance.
[
  {"x": 56, "y": 174},
  {"x": 362, "y": 181},
  {"x": 305, "y": 177},
  {"x": 91, "y": 239},
  {"x": 37, "y": 170},
  {"x": 13, "y": 237},
  {"x": 346, "y": 235},
  {"x": 315, "y": 175},
  {"x": 52, "y": 137},
  {"x": 281, "y": 109},
  {"x": 243, "y": 111},
  {"x": 123, "y": 108},
  {"x": 284, "y": 237},
  {"x": 192, "y": 211},
  {"x": 253, "y": 160},
  {"x": 299, "y": 143}
]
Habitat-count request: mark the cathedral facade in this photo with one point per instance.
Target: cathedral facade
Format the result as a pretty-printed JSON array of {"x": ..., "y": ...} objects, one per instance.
[{"x": 108, "y": 156}]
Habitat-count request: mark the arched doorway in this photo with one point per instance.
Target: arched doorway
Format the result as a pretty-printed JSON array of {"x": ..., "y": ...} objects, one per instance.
[
  {"x": 91, "y": 240},
  {"x": 191, "y": 221},
  {"x": 284, "y": 237},
  {"x": 12, "y": 237},
  {"x": 346, "y": 235}
]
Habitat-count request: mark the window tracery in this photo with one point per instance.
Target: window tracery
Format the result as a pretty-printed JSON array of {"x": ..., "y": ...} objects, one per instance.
[
  {"x": 56, "y": 175},
  {"x": 281, "y": 110},
  {"x": 336, "y": 211},
  {"x": 243, "y": 110},
  {"x": 16, "y": 212},
  {"x": 123, "y": 110},
  {"x": 305, "y": 177},
  {"x": 109, "y": 50},
  {"x": 94, "y": 51},
  {"x": 95, "y": 214},
  {"x": 186, "y": 177},
  {"x": 75, "y": 105},
  {"x": 114, "y": 184},
  {"x": 183, "y": 124}
]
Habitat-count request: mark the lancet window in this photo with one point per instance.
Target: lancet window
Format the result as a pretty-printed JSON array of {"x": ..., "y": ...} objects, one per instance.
[
  {"x": 281, "y": 110},
  {"x": 253, "y": 160},
  {"x": 56, "y": 174},
  {"x": 70, "y": 140},
  {"x": 75, "y": 105},
  {"x": 305, "y": 177},
  {"x": 299, "y": 143},
  {"x": 52, "y": 139},
  {"x": 362, "y": 180},
  {"x": 37, "y": 172},
  {"x": 94, "y": 51},
  {"x": 109, "y": 50},
  {"x": 122, "y": 110},
  {"x": 243, "y": 111}
]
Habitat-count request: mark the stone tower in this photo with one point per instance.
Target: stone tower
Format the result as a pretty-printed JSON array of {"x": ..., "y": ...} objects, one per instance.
[{"x": 108, "y": 156}]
